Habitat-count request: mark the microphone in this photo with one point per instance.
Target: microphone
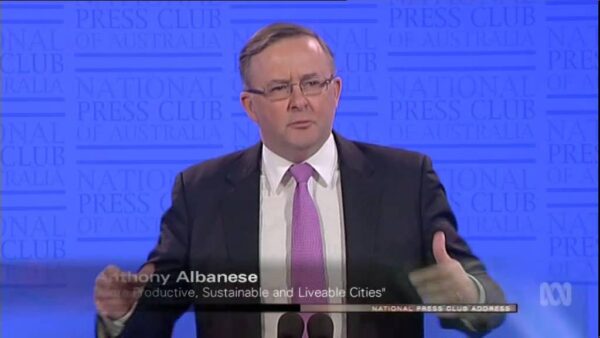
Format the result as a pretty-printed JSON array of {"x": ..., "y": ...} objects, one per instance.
[
  {"x": 290, "y": 325},
  {"x": 320, "y": 325}
]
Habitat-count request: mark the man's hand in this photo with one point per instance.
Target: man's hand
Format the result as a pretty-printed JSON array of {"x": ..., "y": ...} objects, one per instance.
[
  {"x": 444, "y": 282},
  {"x": 116, "y": 291}
]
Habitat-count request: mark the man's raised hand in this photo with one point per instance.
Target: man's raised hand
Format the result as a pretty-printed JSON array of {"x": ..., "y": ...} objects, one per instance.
[
  {"x": 445, "y": 282},
  {"x": 116, "y": 291}
]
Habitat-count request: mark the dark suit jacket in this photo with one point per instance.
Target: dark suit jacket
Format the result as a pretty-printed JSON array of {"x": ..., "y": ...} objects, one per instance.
[{"x": 393, "y": 203}]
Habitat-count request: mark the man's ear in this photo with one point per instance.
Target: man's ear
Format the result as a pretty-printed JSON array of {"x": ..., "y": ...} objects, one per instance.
[
  {"x": 247, "y": 104},
  {"x": 337, "y": 87}
]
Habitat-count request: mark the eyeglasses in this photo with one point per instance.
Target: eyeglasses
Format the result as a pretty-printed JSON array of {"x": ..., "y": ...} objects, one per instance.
[{"x": 282, "y": 91}]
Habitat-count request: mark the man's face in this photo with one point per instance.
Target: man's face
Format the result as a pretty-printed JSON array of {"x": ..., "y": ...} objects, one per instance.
[{"x": 296, "y": 127}]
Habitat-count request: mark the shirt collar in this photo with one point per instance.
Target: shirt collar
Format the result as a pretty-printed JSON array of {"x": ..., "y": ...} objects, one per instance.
[{"x": 324, "y": 161}]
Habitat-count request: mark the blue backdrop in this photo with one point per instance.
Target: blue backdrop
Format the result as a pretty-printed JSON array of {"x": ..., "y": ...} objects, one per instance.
[{"x": 104, "y": 102}]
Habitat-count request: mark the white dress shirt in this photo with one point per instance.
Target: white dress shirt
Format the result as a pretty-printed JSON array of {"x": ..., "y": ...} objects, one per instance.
[{"x": 277, "y": 188}]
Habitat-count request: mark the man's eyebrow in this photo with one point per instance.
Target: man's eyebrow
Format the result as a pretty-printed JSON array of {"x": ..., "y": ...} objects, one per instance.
[
  {"x": 278, "y": 81},
  {"x": 304, "y": 77},
  {"x": 309, "y": 76}
]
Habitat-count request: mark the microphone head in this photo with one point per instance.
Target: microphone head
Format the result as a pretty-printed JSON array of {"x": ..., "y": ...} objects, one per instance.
[
  {"x": 290, "y": 325},
  {"x": 320, "y": 325}
]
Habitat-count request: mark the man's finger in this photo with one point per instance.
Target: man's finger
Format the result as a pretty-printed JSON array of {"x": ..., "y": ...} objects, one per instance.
[
  {"x": 111, "y": 270},
  {"x": 431, "y": 288},
  {"x": 439, "y": 248},
  {"x": 129, "y": 278},
  {"x": 108, "y": 284},
  {"x": 421, "y": 276},
  {"x": 116, "y": 293},
  {"x": 435, "y": 298}
]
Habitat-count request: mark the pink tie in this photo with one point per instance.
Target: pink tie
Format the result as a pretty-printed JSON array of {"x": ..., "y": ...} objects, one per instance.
[{"x": 308, "y": 269}]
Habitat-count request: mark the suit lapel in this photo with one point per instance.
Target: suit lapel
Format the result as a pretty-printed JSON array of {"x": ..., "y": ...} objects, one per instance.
[
  {"x": 361, "y": 195},
  {"x": 240, "y": 211},
  {"x": 240, "y": 214}
]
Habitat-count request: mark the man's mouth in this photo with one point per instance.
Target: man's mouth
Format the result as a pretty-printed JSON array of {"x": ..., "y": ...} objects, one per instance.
[{"x": 301, "y": 124}]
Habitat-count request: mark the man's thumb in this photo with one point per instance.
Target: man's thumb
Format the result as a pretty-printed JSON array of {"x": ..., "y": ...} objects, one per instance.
[{"x": 439, "y": 248}]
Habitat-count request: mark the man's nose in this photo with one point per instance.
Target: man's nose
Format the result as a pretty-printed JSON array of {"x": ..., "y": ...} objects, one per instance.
[{"x": 297, "y": 99}]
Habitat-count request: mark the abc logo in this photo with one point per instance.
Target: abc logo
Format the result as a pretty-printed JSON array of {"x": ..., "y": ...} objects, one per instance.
[{"x": 555, "y": 294}]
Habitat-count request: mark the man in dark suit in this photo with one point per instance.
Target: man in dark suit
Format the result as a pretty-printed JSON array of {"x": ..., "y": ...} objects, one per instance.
[{"x": 306, "y": 208}]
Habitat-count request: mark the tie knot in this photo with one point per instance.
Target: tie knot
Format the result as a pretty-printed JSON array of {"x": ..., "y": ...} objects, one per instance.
[{"x": 301, "y": 172}]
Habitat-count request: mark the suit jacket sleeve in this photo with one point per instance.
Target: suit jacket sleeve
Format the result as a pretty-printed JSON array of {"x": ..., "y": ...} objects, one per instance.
[
  {"x": 437, "y": 215},
  {"x": 155, "y": 318}
]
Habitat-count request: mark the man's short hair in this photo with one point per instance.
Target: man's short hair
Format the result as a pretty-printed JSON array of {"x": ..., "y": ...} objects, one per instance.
[{"x": 270, "y": 35}]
